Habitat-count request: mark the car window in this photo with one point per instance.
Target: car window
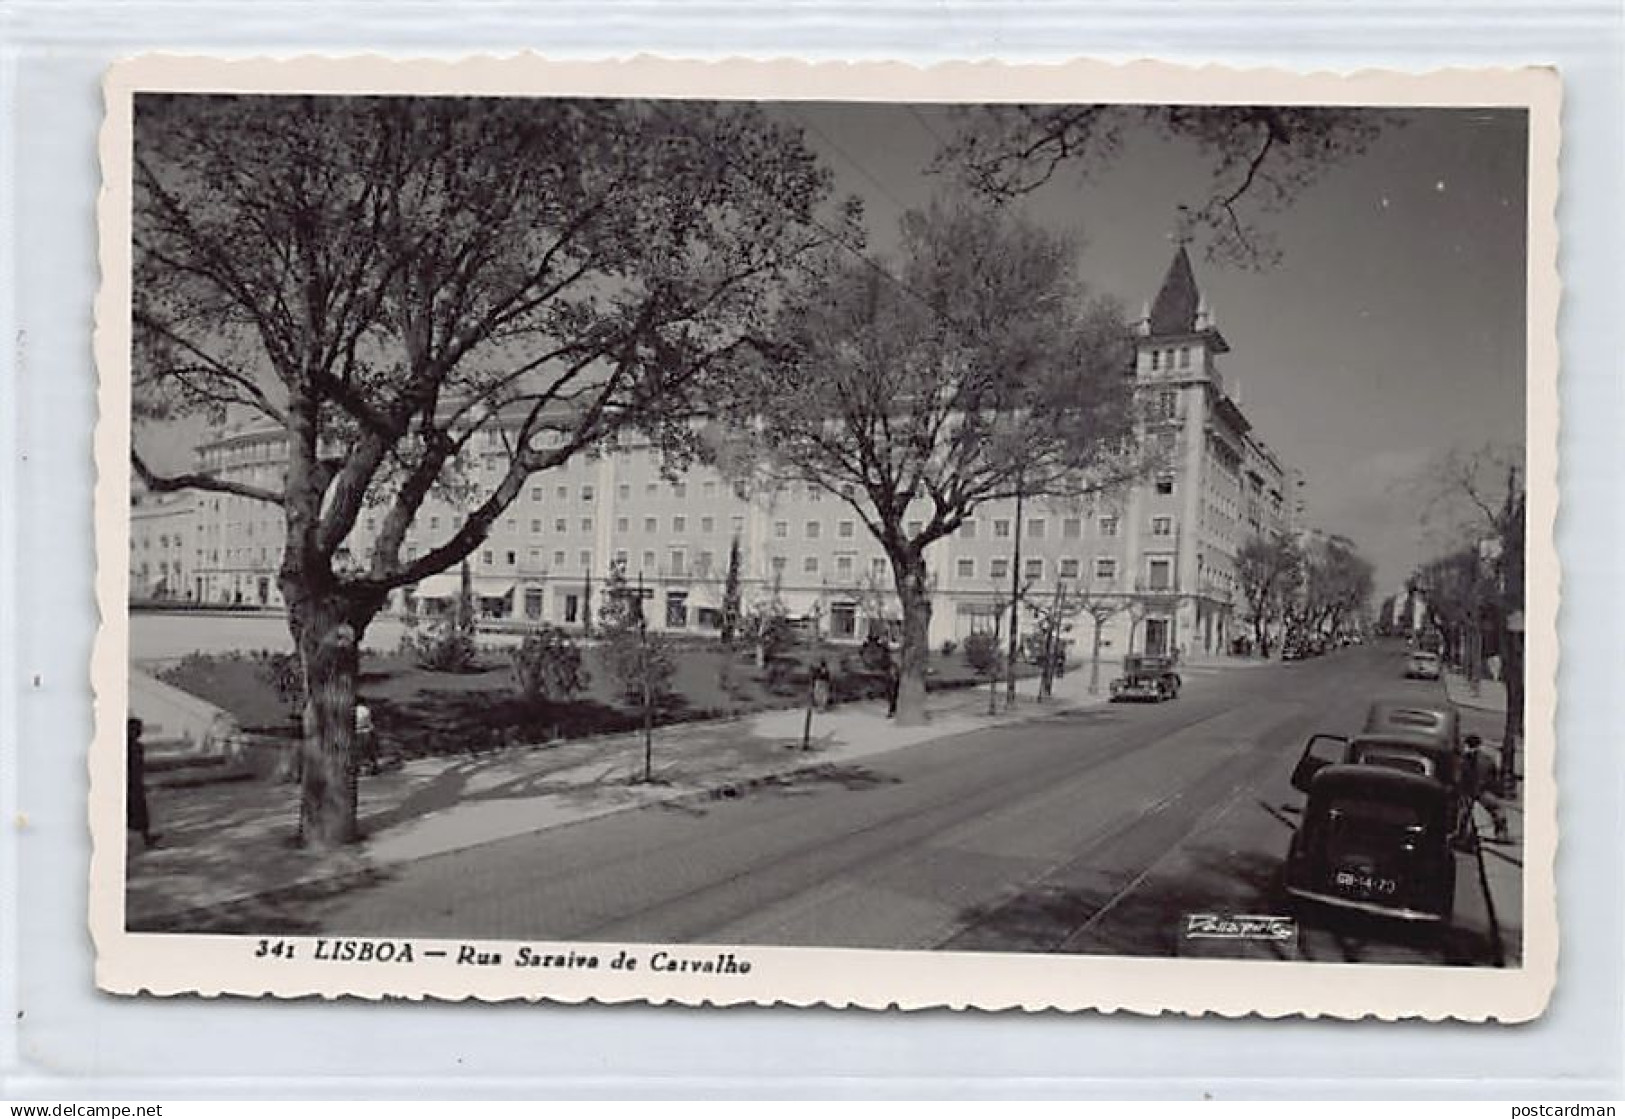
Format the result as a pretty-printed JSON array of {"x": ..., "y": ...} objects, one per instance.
[{"x": 1397, "y": 759}]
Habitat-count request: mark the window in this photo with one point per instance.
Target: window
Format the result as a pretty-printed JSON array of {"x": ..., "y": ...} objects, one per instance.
[
  {"x": 1162, "y": 526},
  {"x": 1001, "y": 529},
  {"x": 1156, "y": 360},
  {"x": 814, "y": 494},
  {"x": 1069, "y": 568},
  {"x": 965, "y": 568},
  {"x": 708, "y": 524},
  {"x": 623, "y": 524},
  {"x": 1165, "y": 484},
  {"x": 1167, "y": 405},
  {"x": 915, "y": 528},
  {"x": 1108, "y": 526},
  {"x": 558, "y": 559},
  {"x": 586, "y": 524},
  {"x": 809, "y": 566},
  {"x": 999, "y": 568},
  {"x": 562, "y": 493},
  {"x": 648, "y": 563},
  {"x": 623, "y": 491},
  {"x": 621, "y": 557},
  {"x": 485, "y": 557},
  {"x": 434, "y": 523},
  {"x": 651, "y": 524},
  {"x": 844, "y": 530},
  {"x": 781, "y": 530},
  {"x": 1072, "y": 528},
  {"x": 737, "y": 523},
  {"x": 968, "y": 530},
  {"x": 1184, "y": 357},
  {"x": 512, "y": 558},
  {"x": 1159, "y": 574},
  {"x": 878, "y": 567},
  {"x": 1034, "y": 569},
  {"x": 704, "y": 562},
  {"x": 778, "y": 565},
  {"x": 709, "y": 489},
  {"x": 1035, "y": 528},
  {"x": 1105, "y": 569},
  {"x": 812, "y": 530},
  {"x": 651, "y": 489},
  {"x": 536, "y": 524},
  {"x": 678, "y": 561},
  {"x": 534, "y": 557},
  {"x": 679, "y": 489},
  {"x": 843, "y": 566},
  {"x": 679, "y": 523},
  {"x": 561, "y": 525},
  {"x": 586, "y": 494}
]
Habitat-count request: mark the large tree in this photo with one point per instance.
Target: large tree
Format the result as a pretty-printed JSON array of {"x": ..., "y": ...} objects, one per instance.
[
  {"x": 971, "y": 368},
  {"x": 1268, "y": 569},
  {"x": 381, "y": 280},
  {"x": 1337, "y": 582},
  {"x": 1477, "y": 498}
]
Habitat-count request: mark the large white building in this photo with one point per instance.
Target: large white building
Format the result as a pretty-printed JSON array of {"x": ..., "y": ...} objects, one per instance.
[{"x": 1164, "y": 550}]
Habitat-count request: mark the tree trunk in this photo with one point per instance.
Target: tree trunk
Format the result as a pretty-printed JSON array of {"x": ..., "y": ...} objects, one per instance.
[
  {"x": 914, "y": 595},
  {"x": 328, "y": 644},
  {"x": 1512, "y": 734},
  {"x": 1094, "y": 661}
]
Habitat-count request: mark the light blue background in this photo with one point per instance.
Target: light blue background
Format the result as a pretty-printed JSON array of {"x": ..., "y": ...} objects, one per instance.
[{"x": 69, "y": 1042}]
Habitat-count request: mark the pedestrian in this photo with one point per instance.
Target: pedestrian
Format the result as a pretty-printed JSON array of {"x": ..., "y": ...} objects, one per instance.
[
  {"x": 1478, "y": 776},
  {"x": 136, "y": 817},
  {"x": 820, "y": 685},
  {"x": 894, "y": 682},
  {"x": 366, "y": 742}
]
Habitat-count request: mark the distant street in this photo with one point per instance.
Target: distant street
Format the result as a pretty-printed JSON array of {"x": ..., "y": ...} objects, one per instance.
[{"x": 1097, "y": 831}]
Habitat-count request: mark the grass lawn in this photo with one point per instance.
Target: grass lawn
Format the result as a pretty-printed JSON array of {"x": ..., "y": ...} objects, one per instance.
[{"x": 418, "y": 712}]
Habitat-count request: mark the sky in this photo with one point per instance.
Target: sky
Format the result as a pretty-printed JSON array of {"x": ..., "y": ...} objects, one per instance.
[{"x": 1390, "y": 331}]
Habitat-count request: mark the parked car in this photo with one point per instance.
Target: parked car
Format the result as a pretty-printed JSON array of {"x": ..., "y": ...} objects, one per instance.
[
  {"x": 1373, "y": 839},
  {"x": 1146, "y": 677},
  {"x": 1421, "y": 665}
]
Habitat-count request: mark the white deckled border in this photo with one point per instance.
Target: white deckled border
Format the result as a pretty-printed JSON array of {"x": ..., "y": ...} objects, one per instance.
[{"x": 214, "y": 965}]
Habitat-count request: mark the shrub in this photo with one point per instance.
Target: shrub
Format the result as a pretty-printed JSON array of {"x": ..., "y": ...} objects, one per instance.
[
  {"x": 446, "y": 647},
  {"x": 547, "y": 665},
  {"x": 982, "y": 653},
  {"x": 284, "y": 674}
]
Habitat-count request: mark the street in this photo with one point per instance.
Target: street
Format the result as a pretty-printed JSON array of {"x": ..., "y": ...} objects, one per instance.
[{"x": 1094, "y": 831}]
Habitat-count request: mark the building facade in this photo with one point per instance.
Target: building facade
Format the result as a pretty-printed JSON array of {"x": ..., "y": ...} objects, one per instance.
[
  {"x": 163, "y": 528},
  {"x": 1157, "y": 558}
]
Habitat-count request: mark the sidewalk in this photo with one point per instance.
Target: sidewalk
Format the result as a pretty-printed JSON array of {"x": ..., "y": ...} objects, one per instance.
[
  {"x": 1491, "y": 695},
  {"x": 228, "y": 843}
]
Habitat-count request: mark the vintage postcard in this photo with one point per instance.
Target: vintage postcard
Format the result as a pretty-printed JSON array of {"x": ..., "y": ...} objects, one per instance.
[{"x": 1068, "y": 537}]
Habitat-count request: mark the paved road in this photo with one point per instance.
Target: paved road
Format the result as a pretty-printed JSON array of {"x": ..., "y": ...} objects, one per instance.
[{"x": 1096, "y": 831}]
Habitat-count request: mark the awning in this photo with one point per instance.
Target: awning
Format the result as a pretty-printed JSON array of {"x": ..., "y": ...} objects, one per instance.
[
  {"x": 493, "y": 588},
  {"x": 446, "y": 584}
]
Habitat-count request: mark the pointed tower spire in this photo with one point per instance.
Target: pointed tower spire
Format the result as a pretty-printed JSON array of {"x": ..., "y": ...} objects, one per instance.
[{"x": 1174, "y": 309}]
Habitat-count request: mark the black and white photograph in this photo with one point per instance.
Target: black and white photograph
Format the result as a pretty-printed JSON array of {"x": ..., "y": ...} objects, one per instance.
[{"x": 943, "y": 548}]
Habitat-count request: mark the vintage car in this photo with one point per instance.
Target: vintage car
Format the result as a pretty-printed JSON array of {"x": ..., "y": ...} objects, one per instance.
[
  {"x": 1374, "y": 839},
  {"x": 1146, "y": 677},
  {"x": 1421, "y": 738},
  {"x": 1422, "y": 666}
]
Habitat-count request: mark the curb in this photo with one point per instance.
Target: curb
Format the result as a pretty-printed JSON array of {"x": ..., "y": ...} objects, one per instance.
[{"x": 319, "y": 884}]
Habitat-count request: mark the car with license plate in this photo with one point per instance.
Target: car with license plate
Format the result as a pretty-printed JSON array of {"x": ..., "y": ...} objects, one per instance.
[
  {"x": 1145, "y": 677},
  {"x": 1373, "y": 839}
]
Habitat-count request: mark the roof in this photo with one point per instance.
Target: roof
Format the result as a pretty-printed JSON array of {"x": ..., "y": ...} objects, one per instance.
[{"x": 1174, "y": 311}]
